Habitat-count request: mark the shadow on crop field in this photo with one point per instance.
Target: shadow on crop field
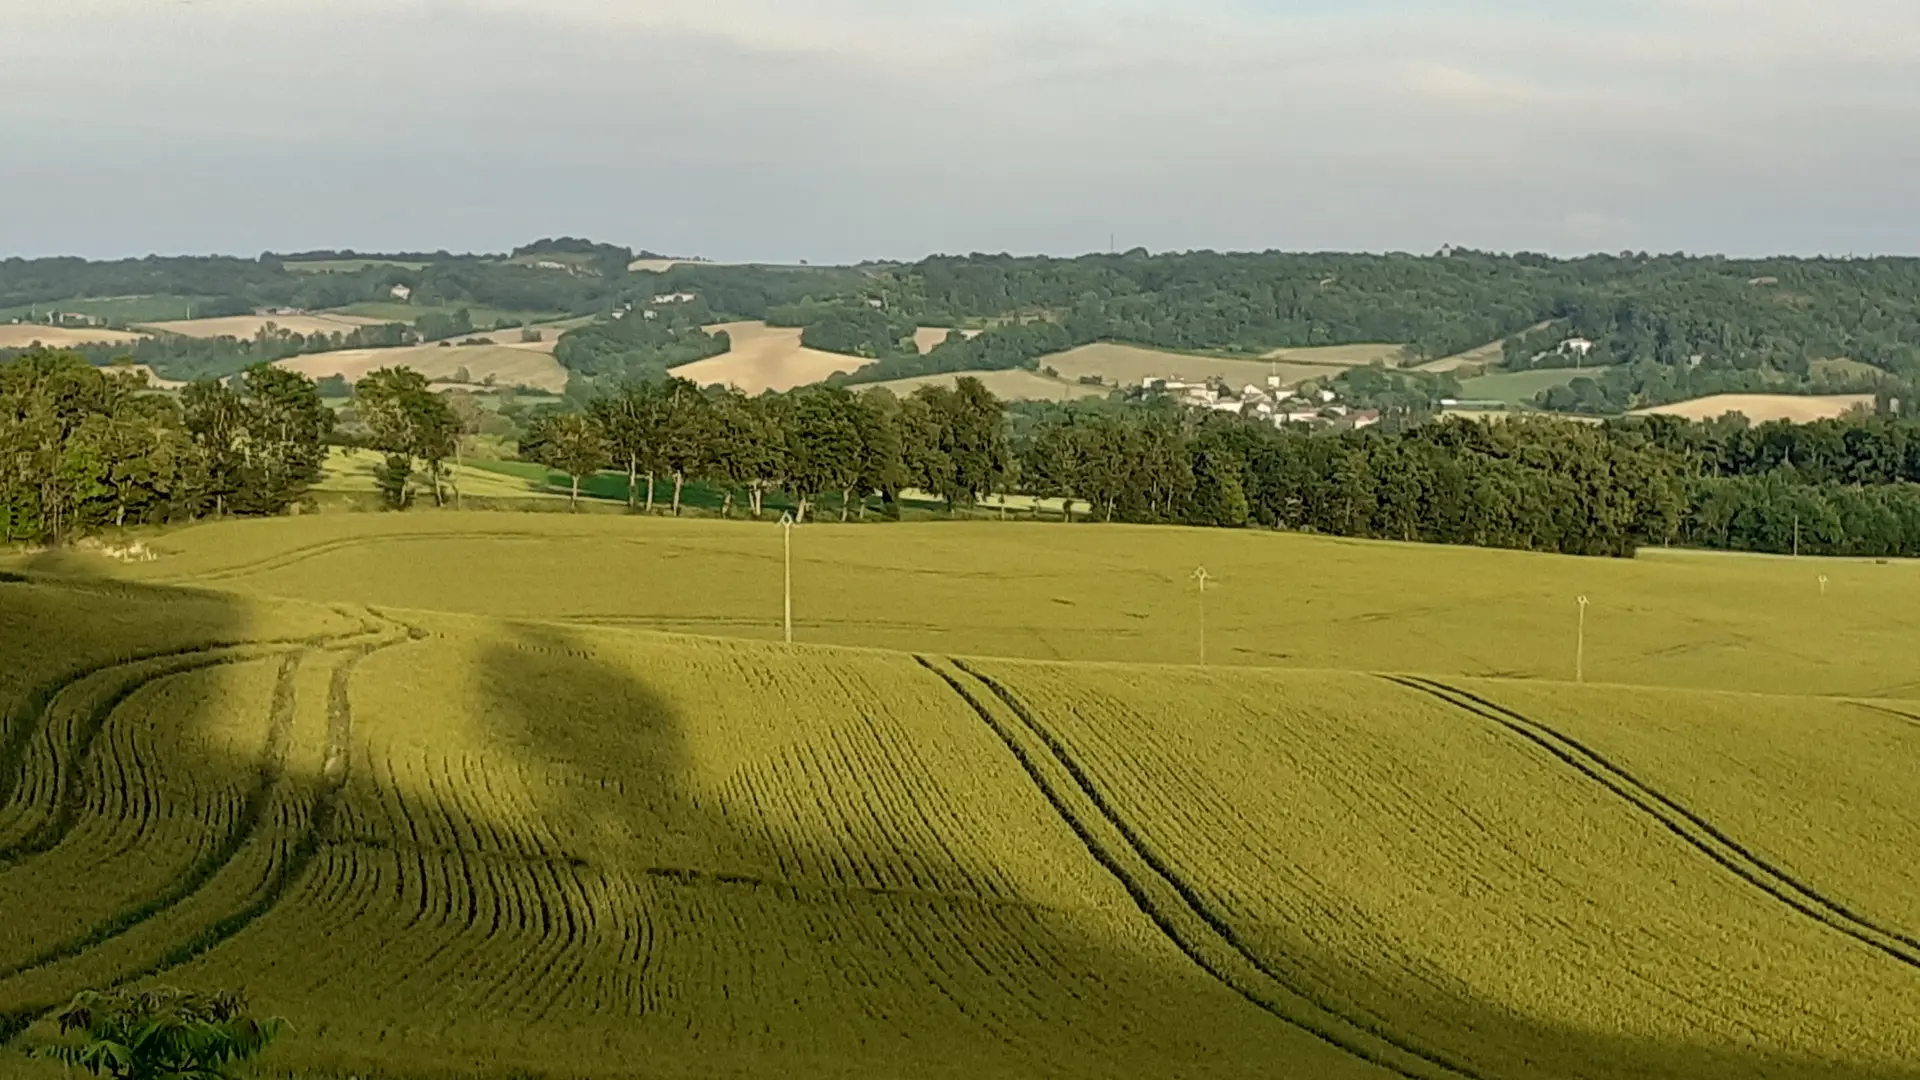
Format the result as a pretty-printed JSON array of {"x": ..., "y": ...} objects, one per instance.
[
  {"x": 145, "y": 743},
  {"x": 500, "y": 851},
  {"x": 821, "y": 938}
]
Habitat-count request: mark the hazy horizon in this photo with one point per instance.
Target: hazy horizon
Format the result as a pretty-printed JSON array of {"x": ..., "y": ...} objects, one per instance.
[{"x": 840, "y": 131}]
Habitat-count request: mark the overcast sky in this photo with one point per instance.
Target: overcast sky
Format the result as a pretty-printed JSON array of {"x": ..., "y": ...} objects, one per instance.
[{"x": 835, "y": 130}]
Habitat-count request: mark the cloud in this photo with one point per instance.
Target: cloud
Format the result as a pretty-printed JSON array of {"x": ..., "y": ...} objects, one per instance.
[{"x": 850, "y": 128}]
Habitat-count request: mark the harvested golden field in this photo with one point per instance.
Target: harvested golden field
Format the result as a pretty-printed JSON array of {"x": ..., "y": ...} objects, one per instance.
[
  {"x": 1761, "y": 408},
  {"x": 1340, "y": 356},
  {"x": 246, "y": 326},
  {"x": 531, "y": 846},
  {"x": 1106, "y": 593},
  {"x": 1127, "y": 365},
  {"x": 766, "y": 358},
  {"x": 25, "y": 335},
  {"x": 1473, "y": 361},
  {"x": 927, "y": 337},
  {"x": 1013, "y": 385},
  {"x": 530, "y": 365}
]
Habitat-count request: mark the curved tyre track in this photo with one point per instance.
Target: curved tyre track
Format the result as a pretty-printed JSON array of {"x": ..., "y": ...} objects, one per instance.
[
  {"x": 326, "y": 803},
  {"x": 1699, "y": 833},
  {"x": 1172, "y": 904},
  {"x": 1886, "y": 711},
  {"x": 288, "y": 868},
  {"x": 271, "y": 769},
  {"x": 68, "y": 781},
  {"x": 31, "y": 714},
  {"x": 297, "y": 555}
]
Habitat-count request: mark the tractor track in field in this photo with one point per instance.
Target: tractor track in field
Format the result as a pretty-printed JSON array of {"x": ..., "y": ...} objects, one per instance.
[
  {"x": 1884, "y": 710},
  {"x": 326, "y": 803},
  {"x": 69, "y": 785},
  {"x": 270, "y": 768},
  {"x": 1692, "y": 828},
  {"x": 29, "y": 716},
  {"x": 297, "y": 555},
  {"x": 1178, "y": 910},
  {"x": 326, "y": 799}
]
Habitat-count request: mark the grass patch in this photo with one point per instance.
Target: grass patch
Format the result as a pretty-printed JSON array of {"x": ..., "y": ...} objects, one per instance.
[{"x": 1520, "y": 388}]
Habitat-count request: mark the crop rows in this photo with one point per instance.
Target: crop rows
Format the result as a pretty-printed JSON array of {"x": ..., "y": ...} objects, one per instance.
[
  {"x": 1807, "y": 796},
  {"x": 743, "y": 860},
  {"x": 1430, "y": 881},
  {"x": 159, "y": 800},
  {"x": 477, "y": 847}
]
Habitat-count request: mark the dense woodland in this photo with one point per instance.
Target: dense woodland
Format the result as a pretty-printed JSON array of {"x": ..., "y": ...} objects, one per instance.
[
  {"x": 1664, "y": 327},
  {"x": 83, "y": 449}
]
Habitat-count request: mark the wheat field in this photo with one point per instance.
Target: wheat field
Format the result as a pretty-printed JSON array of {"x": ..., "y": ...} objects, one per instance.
[
  {"x": 497, "y": 795},
  {"x": 530, "y": 365},
  {"x": 246, "y": 326},
  {"x": 1761, "y": 408},
  {"x": 27, "y": 335}
]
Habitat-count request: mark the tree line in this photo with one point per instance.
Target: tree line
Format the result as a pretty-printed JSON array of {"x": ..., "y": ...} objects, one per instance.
[
  {"x": 812, "y": 442},
  {"x": 176, "y": 356},
  {"x": 83, "y": 448}
]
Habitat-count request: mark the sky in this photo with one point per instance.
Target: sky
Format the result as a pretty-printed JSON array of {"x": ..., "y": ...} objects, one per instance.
[{"x": 842, "y": 130}]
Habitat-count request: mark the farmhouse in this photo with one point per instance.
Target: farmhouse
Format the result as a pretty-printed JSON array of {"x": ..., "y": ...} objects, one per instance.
[{"x": 675, "y": 298}]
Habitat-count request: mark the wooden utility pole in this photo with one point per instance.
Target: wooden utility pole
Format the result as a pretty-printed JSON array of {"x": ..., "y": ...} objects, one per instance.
[
  {"x": 1203, "y": 577},
  {"x": 1580, "y": 646},
  {"x": 786, "y": 529}
]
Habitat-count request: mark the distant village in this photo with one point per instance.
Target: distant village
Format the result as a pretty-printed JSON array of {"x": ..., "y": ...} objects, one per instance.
[{"x": 1272, "y": 402}]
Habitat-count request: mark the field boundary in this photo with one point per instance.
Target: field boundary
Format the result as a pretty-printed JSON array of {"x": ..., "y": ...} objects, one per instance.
[
  {"x": 1695, "y": 830},
  {"x": 1171, "y": 903}
]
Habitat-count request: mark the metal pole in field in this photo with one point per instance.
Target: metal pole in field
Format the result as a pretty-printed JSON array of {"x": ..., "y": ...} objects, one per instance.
[
  {"x": 1203, "y": 577},
  {"x": 1580, "y": 646},
  {"x": 786, "y": 529}
]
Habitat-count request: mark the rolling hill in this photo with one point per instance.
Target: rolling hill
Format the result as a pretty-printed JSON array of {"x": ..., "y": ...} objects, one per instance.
[{"x": 438, "y": 789}]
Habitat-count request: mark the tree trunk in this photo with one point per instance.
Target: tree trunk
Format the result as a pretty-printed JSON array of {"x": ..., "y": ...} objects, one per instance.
[
  {"x": 649, "y": 491},
  {"x": 800, "y": 515},
  {"x": 726, "y": 504},
  {"x": 633, "y": 482},
  {"x": 456, "y": 472},
  {"x": 1066, "y": 506},
  {"x": 846, "y": 498},
  {"x": 679, "y": 484},
  {"x": 757, "y": 496},
  {"x": 573, "y": 502}
]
